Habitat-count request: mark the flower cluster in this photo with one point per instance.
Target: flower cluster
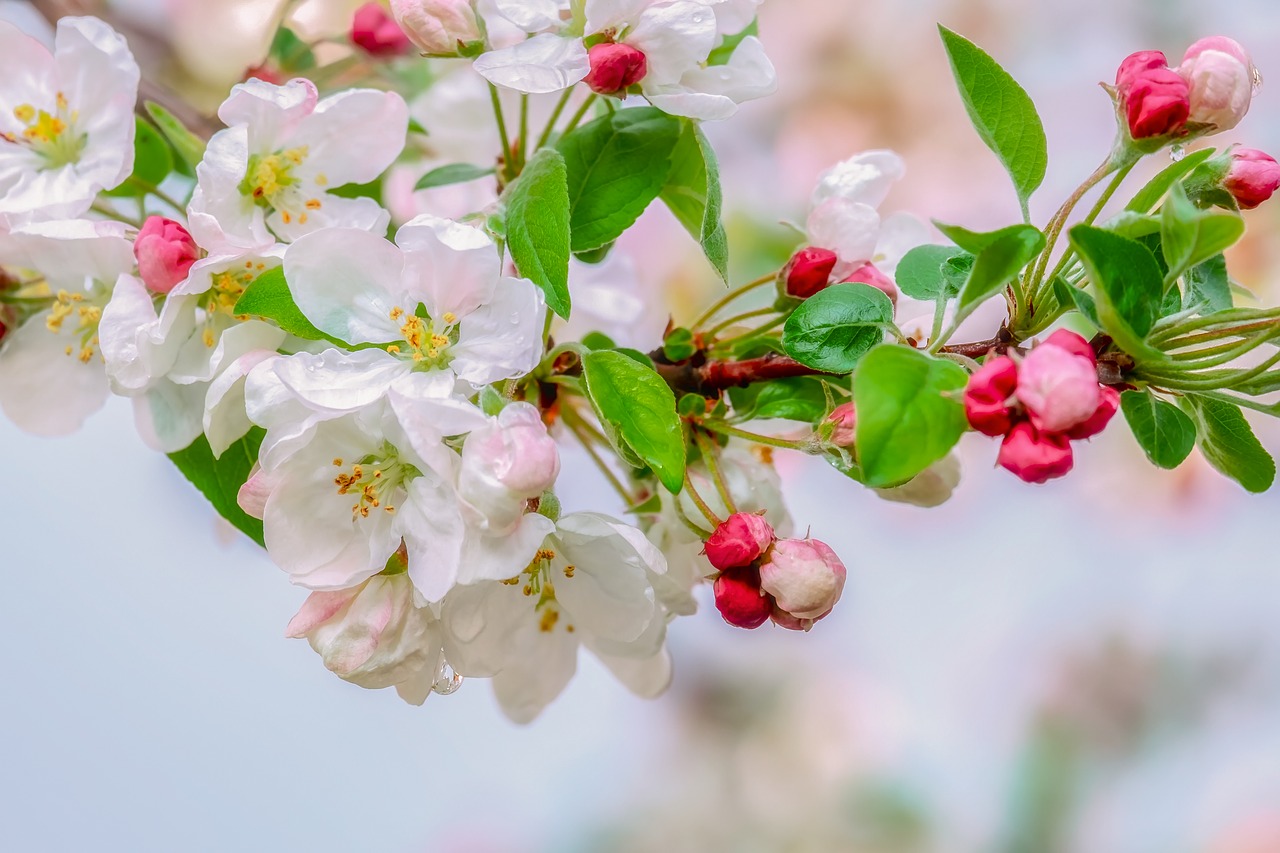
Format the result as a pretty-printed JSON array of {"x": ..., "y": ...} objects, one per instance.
[
  {"x": 377, "y": 388},
  {"x": 1040, "y": 403}
]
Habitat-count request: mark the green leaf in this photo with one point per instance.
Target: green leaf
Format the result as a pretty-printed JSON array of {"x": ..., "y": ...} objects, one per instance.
[
  {"x": 1083, "y": 302},
  {"x": 538, "y": 227},
  {"x": 268, "y": 297},
  {"x": 1209, "y": 283},
  {"x": 999, "y": 257},
  {"x": 152, "y": 162},
  {"x": 796, "y": 399},
  {"x": 219, "y": 480},
  {"x": 453, "y": 173},
  {"x": 1190, "y": 236},
  {"x": 1165, "y": 434},
  {"x": 834, "y": 328},
  {"x": 290, "y": 52},
  {"x": 188, "y": 146},
  {"x": 1228, "y": 443},
  {"x": 617, "y": 164},
  {"x": 1001, "y": 112},
  {"x": 678, "y": 345},
  {"x": 1128, "y": 282},
  {"x": 909, "y": 413},
  {"x": 920, "y": 273},
  {"x": 692, "y": 193},
  {"x": 1149, "y": 196},
  {"x": 637, "y": 408}
]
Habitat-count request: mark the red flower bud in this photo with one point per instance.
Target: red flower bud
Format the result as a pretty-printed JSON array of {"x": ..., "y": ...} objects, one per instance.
[
  {"x": 1155, "y": 99},
  {"x": 165, "y": 252},
  {"x": 808, "y": 271},
  {"x": 1252, "y": 178},
  {"x": 1072, "y": 343},
  {"x": 740, "y": 600},
  {"x": 868, "y": 274},
  {"x": 615, "y": 67},
  {"x": 985, "y": 398},
  {"x": 1035, "y": 456},
  {"x": 739, "y": 541},
  {"x": 845, "y": 419},
  {"x": 1108, "y": 404},
  {"x": 374, "y": 30}
]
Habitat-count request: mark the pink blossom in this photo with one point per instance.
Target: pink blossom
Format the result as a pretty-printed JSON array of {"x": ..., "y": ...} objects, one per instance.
[
  {"x": 1035, "y": 456},
  {"x": 804, "y": 576},
  {"x": 439, "y": 27},
  {"x": 986, "y": 398},
  {"x": 1058, "y": 389},
  {"x": 739, "y": 540},
  {"x": 808, "y": 271},
  {"x": 1252, "y": 178},
  {"x": 615, "y": 68},
  {"x": 1220, "y": 75},
  {"x": 165, "y": 252}
]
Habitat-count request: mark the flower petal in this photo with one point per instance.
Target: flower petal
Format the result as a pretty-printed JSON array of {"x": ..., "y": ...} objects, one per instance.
[
  {"x": 346, "y": 282},
  {"x": 544, "y": 63}
]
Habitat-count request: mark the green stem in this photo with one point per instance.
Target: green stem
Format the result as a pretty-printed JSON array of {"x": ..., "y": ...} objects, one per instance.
[
  {"x": 555, "y": 116},
  {"x": 709, "y": 457},
  {"x": 502, "y": 131},
  {"x": 577, "y": 426},
  {"x": 730, "y": 297},
  {"x": 737, "y": 318},
  {"x": 768, "y": 440},
  {"x": 699, "y": 502},
  {"x": 1094, "y": 213},
  {"x": 151, "y": 189},
  {"x": 723, "y": 344},
  {"x": 524, "y": 129},
  {"x": 1059, "y": 220},
  {"x": 112, "y": 213},
  {"x": 580, "y": 114}
]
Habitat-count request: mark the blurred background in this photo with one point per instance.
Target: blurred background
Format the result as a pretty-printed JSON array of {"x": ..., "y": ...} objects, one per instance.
[{"x": 1092, "y": 665}]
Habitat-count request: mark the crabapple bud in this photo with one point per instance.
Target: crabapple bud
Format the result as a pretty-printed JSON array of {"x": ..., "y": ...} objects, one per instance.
[
  {"x": 1220, "y": 76},
  {"x": 165, "y": 252},
  {"x": 808, "y": 271},
  {"x": 739, "y": 540},
  {"x": 804, "y": 576},
  {"x": 1058, "y": 389},
  {"x": 740, "y": 599},
  {"x": 615, "y": 67},
  {"x": 1252, "y": 178},
  {"x": 1155, "y": 99},
  {"x": 439, "y": 27},
  {"x": 987, "y": 394},
  {"x": 1035, "y": 456},
  {"x": 377, "y": 33},
  {"x": 845, "y": 419},
  {"x": 1108, "y": 404},
  {"x": 505, "y": 463},
  {"x": 868, "y": 274},
  {"x": 1072, "y": 343}
]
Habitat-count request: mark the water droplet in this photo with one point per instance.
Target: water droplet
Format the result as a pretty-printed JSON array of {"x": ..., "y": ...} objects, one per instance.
[
  {"x": 1257, "y": 81},
  {"x": 1177, "y": 153},
  {"x": 447, "y": 681}
]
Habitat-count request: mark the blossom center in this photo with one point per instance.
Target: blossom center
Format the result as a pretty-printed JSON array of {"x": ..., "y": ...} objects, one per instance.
[
  {"x": 376, "y": 480},
  {"x": 538, "y": 586},
  {"x": 273, "y": 181},
  {"x": 426, "y": 340},
  {"x": 219, "y": 302},
  {"x": 78, "y": 314},
  {"x": 52, "y": 135}
]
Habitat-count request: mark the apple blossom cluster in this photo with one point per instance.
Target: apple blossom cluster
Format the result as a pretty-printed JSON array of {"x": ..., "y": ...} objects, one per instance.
[{"x": 378, "y": 389}]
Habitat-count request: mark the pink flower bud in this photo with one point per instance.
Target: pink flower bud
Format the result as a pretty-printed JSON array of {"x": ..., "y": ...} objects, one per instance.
[
  {"x": 845, "y": 418},
  {"x": 615, "y": 67},
  {"x": 868, "y": 274},
  {"x": 1035, "y": 456},
  {"x": 377, "y": 32},
  {"x": 165, "y": 253},
  {"x": 371, "y": 635},
  {"x": 986, "y": 397},
  {"x": 1108, "y": 404},
  {"x": 1072, "y": 343},
  {"x": 506, "y": 462},
  {"x": 1252, "y": 178},
  {"x": 804, "y": 576},
  {"x": 439, "y": 27},
  {"x": 808, "y": 271},
  {"x": 740, "y": 600},
  {"x": 739, "y": 540},
  {"x": 1154, "y": 98},
  {"x": 1059, "y": 389},
  {"x": 1220, "y": 75}
]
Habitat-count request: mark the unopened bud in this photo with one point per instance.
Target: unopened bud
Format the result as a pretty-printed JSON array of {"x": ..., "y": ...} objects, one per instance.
[
  {"x": 615, "y": 68},
  {"x": 868, "y": 274},
  {"x": 1154, "y": 98},
  {"x": 986, "y": 398},
  {"x": 1058, "y": 388},
  {"x": 804, "y": 576},
  {"x": 439, "y": 27},
  {"x": 739, "y": 540},
  {"x": 1221, "y": 78},
  {"x": 808, "y": 271},
  {"x": 740, "y": 599},
  {"x": 377, "y": 33},
  {"x": 1108, "y": 404},
  {"x": 165, "y": 252},
  {"x": 1252, "y": 178},
  {"x": 845, "y": 420},
  {"x": 1034, "y": 456}
]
